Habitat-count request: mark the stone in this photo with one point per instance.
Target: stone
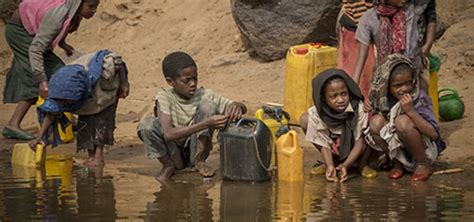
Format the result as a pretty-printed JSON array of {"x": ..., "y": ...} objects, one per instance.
[
  {"x": 272, "y": 26},
  {"x": 469, "y": 58}
]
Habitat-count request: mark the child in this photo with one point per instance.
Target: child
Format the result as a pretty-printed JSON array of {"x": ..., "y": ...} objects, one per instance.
[
  {"x": 32, "y": 33},
  {"x": 335, "y": 123},
  {"x": 425, "y": 12},
  {"x": 89, "y": 88},
  {"x": 403, "y": 125},
  {"x": 180, "y": 132},
  {"x": 390, "y": 25},
  {"x": 351, "y": 11}
]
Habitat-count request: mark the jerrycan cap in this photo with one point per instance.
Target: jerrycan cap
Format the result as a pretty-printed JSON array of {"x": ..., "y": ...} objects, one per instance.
[
  {"x": 316, "y": 44},
  {"x": 301, "y": 51}
]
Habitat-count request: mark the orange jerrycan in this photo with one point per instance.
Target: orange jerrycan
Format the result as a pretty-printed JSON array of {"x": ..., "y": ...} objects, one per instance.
[
  {"x": 65, "y": 131},
  {"x": 289, "y": 157},
  {"x": 303, "y": 62},
  {"x": 23, "y": 155}
]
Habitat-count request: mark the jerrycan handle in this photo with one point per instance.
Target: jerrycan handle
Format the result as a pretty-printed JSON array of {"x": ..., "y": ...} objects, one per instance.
[
  {"x": 293, "y": 137},
  {"x": 255, "y": 123},
  {"x": 453, "y": 92},
  {"x": 39, "y": 157}
]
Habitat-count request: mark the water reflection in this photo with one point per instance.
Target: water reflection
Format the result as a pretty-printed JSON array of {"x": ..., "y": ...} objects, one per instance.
[
  {"x": 62, "y": 191},
  {"x": 54, "y": 192}
]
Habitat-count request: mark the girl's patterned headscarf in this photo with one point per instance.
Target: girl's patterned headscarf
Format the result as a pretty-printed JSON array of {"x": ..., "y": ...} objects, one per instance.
[{"x": 379, "y": 92}]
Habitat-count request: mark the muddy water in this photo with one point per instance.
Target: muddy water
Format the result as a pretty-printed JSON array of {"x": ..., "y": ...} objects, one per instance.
[{"x": 80, "y": 194}]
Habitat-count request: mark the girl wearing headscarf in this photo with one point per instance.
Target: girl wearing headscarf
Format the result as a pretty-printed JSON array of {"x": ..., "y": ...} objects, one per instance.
[
  {"x": 403, "y": 126},
  {"x": 336, "y": 121},
  {"x": 90, "y": 88},
  {"x": 35, "y": 29},
  {"x": 391, "y": 27}
]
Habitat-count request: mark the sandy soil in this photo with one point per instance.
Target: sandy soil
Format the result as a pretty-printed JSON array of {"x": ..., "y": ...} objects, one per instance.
[{"x": 144, "y": 31}]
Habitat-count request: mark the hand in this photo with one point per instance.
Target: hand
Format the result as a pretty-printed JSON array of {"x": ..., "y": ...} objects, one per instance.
[
  {"x": 123, "y": 91},
  {"x": 406, "y": 102},
  {"x": 344, "y": 176},
  {"x": 367, "y": 106},
  {"x": 234, "y": 111},
  {"x": 43, "y": 89},
  {"x": 217, "y": 121},
  {"x": 331, "y": 174},
  {"x": 425, "y": 50},
  {"x": 33, "y": 143},
  {"x": 67, "y": 48}
]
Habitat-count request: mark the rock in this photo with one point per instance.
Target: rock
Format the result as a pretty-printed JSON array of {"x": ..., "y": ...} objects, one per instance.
[
  {"x": 469, "y": 58},
  {"x": 272, "y": 26},
  {"x": 108, "y": 17}
]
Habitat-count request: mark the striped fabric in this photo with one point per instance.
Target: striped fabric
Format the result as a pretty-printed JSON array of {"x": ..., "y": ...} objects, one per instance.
[
  {"x": 354, "y": 9},
  {"x": 182, "y": 111}
]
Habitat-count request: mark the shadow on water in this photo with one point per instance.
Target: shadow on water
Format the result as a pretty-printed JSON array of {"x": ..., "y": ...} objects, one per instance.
[{"x": 61, "y": 192}]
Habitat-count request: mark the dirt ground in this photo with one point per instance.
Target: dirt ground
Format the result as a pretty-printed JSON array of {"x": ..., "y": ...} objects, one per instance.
[{"x": 144, "y": 31}]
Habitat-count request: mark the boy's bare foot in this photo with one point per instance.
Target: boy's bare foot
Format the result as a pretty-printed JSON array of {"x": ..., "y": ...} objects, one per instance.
[
  {"x": 205, "y": 170},
  {"x": 165, "y": 173},
  {"x": 94, "y": 162}
]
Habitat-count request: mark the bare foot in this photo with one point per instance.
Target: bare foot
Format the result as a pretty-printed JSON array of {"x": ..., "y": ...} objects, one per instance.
[
  {"x": 165, "y": 174},
  {"x": 203, "y": 169},
  {"x": 94, "y": 162}
]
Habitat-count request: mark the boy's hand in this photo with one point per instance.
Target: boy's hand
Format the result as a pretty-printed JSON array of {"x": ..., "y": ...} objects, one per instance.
[
  {"x": 343, "y": 170},
  {"x": 34, "y": 142},
  {"x": 217, "y": 121},
  {"x": 234, "y": 111},
  {"x": 406, "y": 102},
  {"x": 67, "y": 48},
  {"x": 331, "y": 174}
]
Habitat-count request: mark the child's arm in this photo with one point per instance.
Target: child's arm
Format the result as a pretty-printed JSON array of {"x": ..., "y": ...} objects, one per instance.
[
  {"x": 421, "y": 124},
  {"x": 173, "y": 133},
  {"x": 330, "y": 169},
  {"x": 44, "y": 126},
  {"x": 235, "y": 111},
  {"x": 356, "y": 151},
  {"x": 66, "y": 47},
  {"x": 361, "y": 58},
  {"x": 431, "y": 19}
]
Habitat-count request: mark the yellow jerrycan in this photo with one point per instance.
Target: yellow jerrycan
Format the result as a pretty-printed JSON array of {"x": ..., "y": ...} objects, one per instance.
[
  {"x": 65, "y": 132},
  {"x": 303, "y": 62},
  {"x": 23, "y": 155},
  {"x": 289, "y": 157},
  {"x": 58, "y": 165},
  {"x": 289, "y": 200},
  {"x": 435, "y": 65},
  {"x": 270, "y": 121}
]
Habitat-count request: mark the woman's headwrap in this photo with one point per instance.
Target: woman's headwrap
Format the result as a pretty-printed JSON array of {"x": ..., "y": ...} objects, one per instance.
[
  {"x": 392, "y": 30},
  {"x": 379, "y": 92},
  {"x": 333, "y": 118},
  {"x": 73, "y": 83}
]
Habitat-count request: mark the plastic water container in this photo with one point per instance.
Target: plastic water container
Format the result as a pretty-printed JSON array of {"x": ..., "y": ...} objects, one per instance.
[
  {"x": 65, "y": 131},
  {"x": 435, "y": 65},
  {"x": 245, "y": 151},
  {"x": 289, "y": 200},
  {"x": 289, "y": 157},
  {"x": 23, "y": 155},
  {"x": 303, "y": 62}
]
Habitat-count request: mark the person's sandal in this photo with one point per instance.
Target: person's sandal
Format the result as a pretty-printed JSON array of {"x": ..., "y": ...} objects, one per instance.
[
  {"x": 318, "y": 169},
  {"x": 11, "y": 134},
  {"x": 425, "y": 173}
]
